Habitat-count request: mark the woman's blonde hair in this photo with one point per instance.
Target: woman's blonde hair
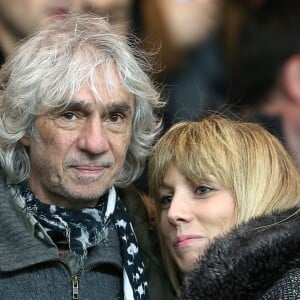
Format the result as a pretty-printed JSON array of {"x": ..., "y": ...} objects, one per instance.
[{"x": 244, "y": 158}]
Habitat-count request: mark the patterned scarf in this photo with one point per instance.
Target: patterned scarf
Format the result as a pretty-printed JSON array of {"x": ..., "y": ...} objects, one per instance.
[{"x": 87, "y": 227}]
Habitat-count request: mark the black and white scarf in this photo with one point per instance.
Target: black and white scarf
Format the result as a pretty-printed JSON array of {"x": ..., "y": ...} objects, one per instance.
[{"x": 86, "y": 228}]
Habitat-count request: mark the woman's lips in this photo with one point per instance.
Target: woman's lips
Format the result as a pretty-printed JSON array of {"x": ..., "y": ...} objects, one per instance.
[{"x": 185, "y": 240}]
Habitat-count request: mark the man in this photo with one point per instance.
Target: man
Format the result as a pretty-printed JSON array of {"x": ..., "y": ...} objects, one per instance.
[
  {"x": 19, "y": 18},
  {"x": 77, "y": 123},
  {"x": 266, "y": 69}
]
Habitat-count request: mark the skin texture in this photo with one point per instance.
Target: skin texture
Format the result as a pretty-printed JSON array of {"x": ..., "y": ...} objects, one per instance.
[
  {"x": 192, "y": 216},
  {"x": 77, "y": 154}
]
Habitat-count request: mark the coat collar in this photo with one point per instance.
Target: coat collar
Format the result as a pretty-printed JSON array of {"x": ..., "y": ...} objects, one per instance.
[
  {"x": 20, "y": 248},
  {"x": 248, "y": 260}
]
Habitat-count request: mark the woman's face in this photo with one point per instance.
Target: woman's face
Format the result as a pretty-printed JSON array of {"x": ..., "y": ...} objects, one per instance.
[{"x": 192, "y": 216}]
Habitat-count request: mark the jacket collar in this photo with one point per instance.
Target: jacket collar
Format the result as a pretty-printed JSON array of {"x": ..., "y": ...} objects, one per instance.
[
  {"x": 20, "y": 248},
  {"x": 248, "y": 260}
]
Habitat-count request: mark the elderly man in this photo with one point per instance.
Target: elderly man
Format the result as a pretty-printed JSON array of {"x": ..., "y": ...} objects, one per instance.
[{"x": 77, "y": 123}]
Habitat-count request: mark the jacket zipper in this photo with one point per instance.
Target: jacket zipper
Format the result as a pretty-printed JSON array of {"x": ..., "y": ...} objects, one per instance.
[{"x": 75, "y": 284}]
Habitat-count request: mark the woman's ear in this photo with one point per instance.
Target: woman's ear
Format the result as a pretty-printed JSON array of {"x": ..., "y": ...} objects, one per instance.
[{"x": 291, "y": 79}]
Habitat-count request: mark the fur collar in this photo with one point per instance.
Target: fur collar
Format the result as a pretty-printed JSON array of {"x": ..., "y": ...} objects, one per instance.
[{"x": 245, "y": 263}]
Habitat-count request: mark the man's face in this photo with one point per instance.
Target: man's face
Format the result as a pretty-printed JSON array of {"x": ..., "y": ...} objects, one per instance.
[
  {"x": 118, "y": 11},
  {"x": 76, "y": 154},
  {"x": 23, "y": 17}
]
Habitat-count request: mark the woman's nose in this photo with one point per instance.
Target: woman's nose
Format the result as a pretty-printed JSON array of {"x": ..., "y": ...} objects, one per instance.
[{"x": 180, "y": 210}]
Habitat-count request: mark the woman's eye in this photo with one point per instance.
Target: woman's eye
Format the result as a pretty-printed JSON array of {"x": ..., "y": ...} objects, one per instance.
[
  {"x": 202, "y": 190},
  {"x": 165, "y": 201}
]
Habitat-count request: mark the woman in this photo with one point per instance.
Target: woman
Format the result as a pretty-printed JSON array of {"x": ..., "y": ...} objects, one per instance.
[{"x": 228, "y": 202}]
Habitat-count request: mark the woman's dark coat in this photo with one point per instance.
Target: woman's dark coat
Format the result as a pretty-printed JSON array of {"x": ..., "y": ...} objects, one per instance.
[{"x": 258, "y": 260}]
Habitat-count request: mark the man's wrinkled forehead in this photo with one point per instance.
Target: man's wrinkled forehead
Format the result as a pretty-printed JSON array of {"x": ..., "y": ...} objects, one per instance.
[{"x": 105, "y": 96}]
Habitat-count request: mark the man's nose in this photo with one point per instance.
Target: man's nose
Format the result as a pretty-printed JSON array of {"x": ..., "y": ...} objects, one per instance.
[{"x": 94, "y": 137}]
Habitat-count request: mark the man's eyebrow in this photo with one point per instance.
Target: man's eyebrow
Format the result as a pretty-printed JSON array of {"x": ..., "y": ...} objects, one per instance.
[
  {"x": 119, "y": 107},
  {"x": 79, "y": 105}
]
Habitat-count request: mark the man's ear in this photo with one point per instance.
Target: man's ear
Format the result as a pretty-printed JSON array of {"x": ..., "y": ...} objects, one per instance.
[
  {"x": 291, "y": 79},
  {"x": 25, "y": 140}
]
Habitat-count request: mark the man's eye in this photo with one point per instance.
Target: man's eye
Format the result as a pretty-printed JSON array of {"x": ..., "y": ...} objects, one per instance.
[
  {"x": 70, "y": 116},
  {"x": 202, "y": 190},
  {"x": 165, "y": 201},
  {"x": 116, "y": 118}
]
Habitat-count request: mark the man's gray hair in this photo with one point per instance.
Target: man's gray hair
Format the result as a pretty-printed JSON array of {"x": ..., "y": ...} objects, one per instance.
[{"x": 49, "y": 68}]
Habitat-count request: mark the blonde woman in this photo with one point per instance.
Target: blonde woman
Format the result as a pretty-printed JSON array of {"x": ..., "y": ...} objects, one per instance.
[{"x": 227, "y": 196}]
